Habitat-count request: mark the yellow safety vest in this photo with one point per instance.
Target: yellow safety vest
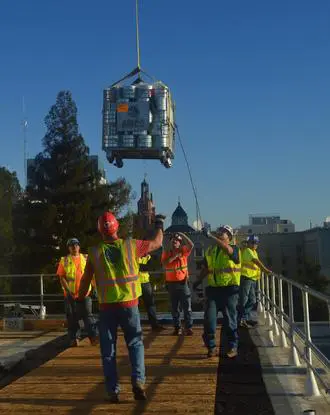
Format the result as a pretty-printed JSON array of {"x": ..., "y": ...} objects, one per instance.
[
  {"x": 249, "y": 268},
  {"x": 70, "y": 272},
  {"x": 116, "y": 271},
  {"x": 222, "y": 271},
  {"x": 144, "y": 275}
]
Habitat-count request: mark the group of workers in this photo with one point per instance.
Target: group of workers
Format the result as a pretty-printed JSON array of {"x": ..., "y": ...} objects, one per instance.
[{"x": 116, "y": 270}]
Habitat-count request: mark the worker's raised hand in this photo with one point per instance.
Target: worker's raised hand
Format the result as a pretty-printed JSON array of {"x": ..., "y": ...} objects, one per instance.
[{"x": 159, "y": 221}]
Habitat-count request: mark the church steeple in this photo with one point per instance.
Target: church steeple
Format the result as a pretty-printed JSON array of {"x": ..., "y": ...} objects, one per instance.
[{"x": 146, "y": 211}]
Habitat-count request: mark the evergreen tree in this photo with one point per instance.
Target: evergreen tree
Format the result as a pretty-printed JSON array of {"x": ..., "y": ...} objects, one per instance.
[
  {"x": 9, "y": 194},
  {"x": 68, "y": 194}
]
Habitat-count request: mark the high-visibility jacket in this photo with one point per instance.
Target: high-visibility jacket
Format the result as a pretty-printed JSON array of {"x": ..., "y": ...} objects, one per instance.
[
  {"x": 144, "y": 275},
  {"x": 177, "y": 270},
  {"x": 70, "y": 269},
  {"x": 249, "y": 268},
  {"x": 116, "y": 271},
  {"x": 222, "y": 271}
]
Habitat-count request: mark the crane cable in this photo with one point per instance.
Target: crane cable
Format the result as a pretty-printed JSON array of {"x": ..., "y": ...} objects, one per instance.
[{"x": 199, "y": 216}]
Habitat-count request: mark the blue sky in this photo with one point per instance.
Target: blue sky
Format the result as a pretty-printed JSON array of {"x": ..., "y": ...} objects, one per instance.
[{"x": 250, "y": 80}]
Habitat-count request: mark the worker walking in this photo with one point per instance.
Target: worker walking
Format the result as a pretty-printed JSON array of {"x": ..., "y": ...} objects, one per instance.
[
  {"x": 148, "y": 294},
  {"x": 114, "y": 263},
  {"x": 70, "y": 271},
  {"x": 250, "y": 273},
  {"x": 222, "y": 268},
  {"x": 175, "y": 262}
]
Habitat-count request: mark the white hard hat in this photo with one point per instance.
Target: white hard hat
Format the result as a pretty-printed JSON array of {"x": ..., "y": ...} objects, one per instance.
[{"x": 228, "y": 229}]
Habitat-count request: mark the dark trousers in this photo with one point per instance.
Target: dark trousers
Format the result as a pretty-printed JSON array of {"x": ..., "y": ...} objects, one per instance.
[
  {"x": 247, "y": 298},
  {"x": 180, "y": 297},
  {"x": 128, "y": 318},
  {"x": 79, "y": 310},
  {"x": 224, "y": 299},
  {"x": 149, "y": 303}
]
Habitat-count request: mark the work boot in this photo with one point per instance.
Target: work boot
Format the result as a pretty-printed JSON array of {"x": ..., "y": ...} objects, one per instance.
[
  {"x": 252, "y": 323},
  {"x": 212, "y": 352},
  {"x": 177, "y": 331},
  {"x": 74, "y": 343},
  {"x": 139, "y": 392},
  {"x": 112, "y": 397},
  {"x": 189, "y": 332},
  {"x": 244, "y": 324},
  {"x": 95, "y": 341},
  {"x": 232, "y": 353}
]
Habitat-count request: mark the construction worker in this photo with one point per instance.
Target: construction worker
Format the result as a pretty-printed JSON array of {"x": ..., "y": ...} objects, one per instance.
[
  {"x": 250, "y": 273},
  {"x": 70, "y": 271},
  {"x": 175, "y": 262},
  {"x": 223, "y": 270},
  {"x": 147, "y": 294},
  {"x": 114, "y": 263}
]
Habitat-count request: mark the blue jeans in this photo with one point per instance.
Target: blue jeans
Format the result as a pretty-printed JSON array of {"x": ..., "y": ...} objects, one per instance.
[
  {"x": 247, "y": 298},
  {"x": 149, "y": 303},
  {"x": 128, "y": 318},
  {"x": 79, "y": 310},
  {"x": 224, "y": 299},
  {"x": 180, "y": 297}
]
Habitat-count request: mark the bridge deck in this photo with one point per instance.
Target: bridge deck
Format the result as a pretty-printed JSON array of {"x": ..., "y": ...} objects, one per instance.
[{"x": 180, "y": 379}]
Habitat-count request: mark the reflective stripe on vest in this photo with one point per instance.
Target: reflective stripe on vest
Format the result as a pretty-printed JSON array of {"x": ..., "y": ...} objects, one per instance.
[
  {"x": 116, "y": 271},
  {"x": 249, "y": 268},
  {"x": 70, "y": 272},
  {"x": 222, "y": 271},
  {"x": 174, "y": 273}
]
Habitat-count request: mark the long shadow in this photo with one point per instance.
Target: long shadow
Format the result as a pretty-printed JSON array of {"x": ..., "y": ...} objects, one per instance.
[
  {"x": 90, "y": 401},
  {"x": 240, "y": 386},
  {"x": 141, "y": 407}
]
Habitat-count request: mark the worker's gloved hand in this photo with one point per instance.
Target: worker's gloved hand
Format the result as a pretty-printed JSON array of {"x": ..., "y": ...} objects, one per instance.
[
  {"x": 206, "y": 232},
  {"x": 159, "y": 221},
  {"x": 196, "y": 284}
]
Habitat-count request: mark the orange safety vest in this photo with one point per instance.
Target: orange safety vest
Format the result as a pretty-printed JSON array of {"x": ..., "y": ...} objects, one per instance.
[{"x": 176, "y": 270}]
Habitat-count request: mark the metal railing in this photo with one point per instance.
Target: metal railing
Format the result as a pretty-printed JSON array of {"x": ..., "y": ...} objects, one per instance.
[{"x": 278, "y": 311}]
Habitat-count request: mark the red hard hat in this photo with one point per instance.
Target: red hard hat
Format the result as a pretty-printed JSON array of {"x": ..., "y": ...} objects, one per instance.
[{"x": 107, "y": 224}]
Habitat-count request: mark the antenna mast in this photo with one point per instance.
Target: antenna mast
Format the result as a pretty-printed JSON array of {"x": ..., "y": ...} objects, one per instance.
[{"x": 24, "y": 126}]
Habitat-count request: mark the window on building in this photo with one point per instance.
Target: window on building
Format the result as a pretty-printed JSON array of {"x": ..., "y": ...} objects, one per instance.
[
  {"x": 286, "y": 230},
  {"x": 199, "y": 250}
]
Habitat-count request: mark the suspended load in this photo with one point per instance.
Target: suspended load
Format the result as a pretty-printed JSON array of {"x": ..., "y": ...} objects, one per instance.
[
  {"x": 138, "y": 122},
  {"x": 138, "y": 119}
]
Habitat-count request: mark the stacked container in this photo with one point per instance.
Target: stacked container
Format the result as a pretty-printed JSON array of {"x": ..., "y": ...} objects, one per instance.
[{"x": 138, "y": 118}]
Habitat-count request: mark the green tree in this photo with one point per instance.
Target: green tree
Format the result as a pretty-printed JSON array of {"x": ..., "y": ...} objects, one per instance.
[
  {"x": 67, "y": 195},
  {"x": 10, "y": 192}
]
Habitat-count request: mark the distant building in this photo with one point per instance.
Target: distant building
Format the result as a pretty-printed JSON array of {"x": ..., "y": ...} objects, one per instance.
[
  {"x": 96, "y": 163},
  {"x": 260, "y": 224},
  {"x": 287, "y": 254}
]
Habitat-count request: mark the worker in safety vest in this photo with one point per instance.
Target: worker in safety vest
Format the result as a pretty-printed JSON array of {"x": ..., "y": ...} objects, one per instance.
[
  {"x": 114, "y": 263},
  {"x": 70, "y": 271},
  {"x": 175, "y": 262},
  {"x": 250, "y": 273},
  {"x": 223, "y": 270},
  {"x": 147, "y": 294}
]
